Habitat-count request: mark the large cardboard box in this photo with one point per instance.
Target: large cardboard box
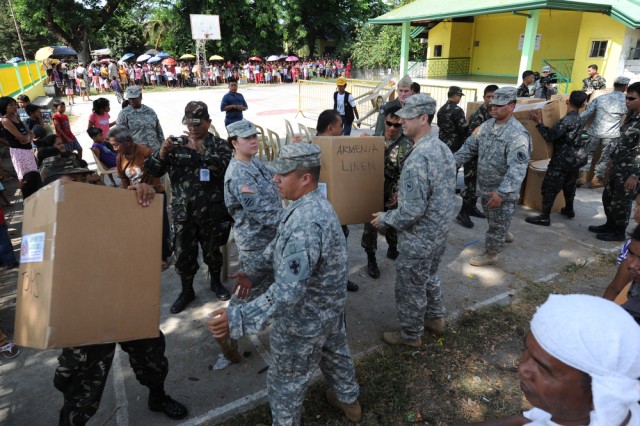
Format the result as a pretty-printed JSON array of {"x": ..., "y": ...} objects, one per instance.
[
  {"x": 473, "y": 106},
  {"x": 541, "y": 149},
  {"x": 353, "y": 175},
  {"x": 89, "y": 267},
  {"x": 532, "y": 196}
]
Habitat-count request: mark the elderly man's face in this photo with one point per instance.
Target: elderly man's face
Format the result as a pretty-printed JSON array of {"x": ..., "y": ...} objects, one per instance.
[
  {"x": 553, "y": 386},
  {"x": 403, "y": 94}
]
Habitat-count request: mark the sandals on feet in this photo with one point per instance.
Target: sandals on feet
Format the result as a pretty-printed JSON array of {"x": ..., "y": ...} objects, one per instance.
[{"x": 10, "y": 350}]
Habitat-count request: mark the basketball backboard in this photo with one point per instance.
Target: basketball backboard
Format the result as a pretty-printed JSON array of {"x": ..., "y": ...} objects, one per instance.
[{"x": 205, "y": 27}]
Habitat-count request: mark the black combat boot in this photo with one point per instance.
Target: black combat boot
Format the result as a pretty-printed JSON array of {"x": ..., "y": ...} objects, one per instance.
[
  {"x": 463, "y": 216},
  {"x": 567, "y": 210},
  {"x": 186, "y": 296},
  {"x": 217, "y": 287},
  {"x": 473, "y": 210},
  {"x": 392, "y": 252},
  {"x": 372, "y": 265},
  {"x": 161, "y": 402},
  {"x": 542, "y": 219}
]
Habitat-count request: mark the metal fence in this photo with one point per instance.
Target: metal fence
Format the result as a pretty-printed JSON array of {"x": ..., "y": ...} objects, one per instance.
[{"x": 16, "y": 78}]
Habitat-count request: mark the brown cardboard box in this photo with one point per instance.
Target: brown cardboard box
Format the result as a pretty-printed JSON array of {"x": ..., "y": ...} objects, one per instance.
[
  {"x": 533, "y": 183},
  {"x": 353, "y": 172},
  {"x": 472, "y": 106},
  {"x": 89, "y": 267},
  {"x": 540, "y": 149}
]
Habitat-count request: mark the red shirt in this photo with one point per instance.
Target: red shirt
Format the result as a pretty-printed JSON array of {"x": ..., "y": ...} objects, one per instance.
[
  {"x": 3, "y": 221},
  {"x": 63, "y": 123}
]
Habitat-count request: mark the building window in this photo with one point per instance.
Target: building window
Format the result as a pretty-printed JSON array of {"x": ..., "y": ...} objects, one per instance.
[
  {"x": 437, "y": 51},
  {"x": 598, "y": 49}
]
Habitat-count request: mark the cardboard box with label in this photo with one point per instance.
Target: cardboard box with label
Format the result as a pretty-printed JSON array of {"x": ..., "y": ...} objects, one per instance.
[
  {"x": 532, "y": 195},
  {"x": 540, "y": 149},
  {"x": 352, "y": 175},
  {"x": 472, "y": 106},
  {"x": 89, "y": 267}
]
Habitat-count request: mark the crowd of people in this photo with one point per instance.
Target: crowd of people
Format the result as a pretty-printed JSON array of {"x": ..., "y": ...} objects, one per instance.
[{"x": 294, "y": 272}]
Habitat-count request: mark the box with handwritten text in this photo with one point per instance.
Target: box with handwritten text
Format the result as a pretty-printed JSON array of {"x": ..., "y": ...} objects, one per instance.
[
  {"x": 352, "y": 174},
  {"x": 89, "y": 267}
]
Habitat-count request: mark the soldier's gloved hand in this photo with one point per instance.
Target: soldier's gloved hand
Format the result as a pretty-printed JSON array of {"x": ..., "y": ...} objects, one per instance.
[
  {"x": 243, "y": 288},
  {"x": 218, "y": 325}
]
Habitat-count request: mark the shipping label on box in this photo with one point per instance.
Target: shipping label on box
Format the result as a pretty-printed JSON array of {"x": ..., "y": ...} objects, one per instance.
[
  {"x": 89, "y": 267},
  {"x": 353, "y": 172}
]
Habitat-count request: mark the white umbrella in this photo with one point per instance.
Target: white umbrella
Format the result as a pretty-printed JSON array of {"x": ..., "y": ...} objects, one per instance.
[
  {"x": 143, "y": 58},
  {"x": 273, "y": 58}
]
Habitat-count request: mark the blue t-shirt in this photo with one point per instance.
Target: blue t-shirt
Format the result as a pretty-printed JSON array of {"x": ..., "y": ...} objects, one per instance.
[{"x": 233, "y": 115}]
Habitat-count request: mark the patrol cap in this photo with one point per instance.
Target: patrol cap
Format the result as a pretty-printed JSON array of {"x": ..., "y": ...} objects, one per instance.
[
  {"x": 546, "y": 68},
  {"x": 504, "y": 95},
  {"x": 133, "y": 92},
  {"x": 455, "y": 90},
  {"x": 296, "y": 156},
  {"x": 405, "y": 81},
  {"x": 341, "y": 81},
  {"x": 53, "y": 167},
  {"x": 195, "y": 112},
  {"x": 622, "y": 80},
  {"x": 242, "y": 129},
  {"x": 416, "y": 105}
]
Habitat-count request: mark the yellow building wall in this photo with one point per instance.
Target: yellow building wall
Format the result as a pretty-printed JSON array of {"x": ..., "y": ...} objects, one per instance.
[
  {"x": 461, "y": 39},
  {"x": 440, "y": 35},
  {"x": 597, "y": 27}
]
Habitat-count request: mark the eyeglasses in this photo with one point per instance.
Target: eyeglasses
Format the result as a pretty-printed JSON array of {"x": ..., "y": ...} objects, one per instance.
[
  {"x": 631, "y": 98},
  {"x": 390, "y": 124}
]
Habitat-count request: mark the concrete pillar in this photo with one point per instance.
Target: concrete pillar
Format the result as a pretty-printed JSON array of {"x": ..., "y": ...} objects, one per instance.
[
  {"x": 529, "y": 44},
  {"x": 404, "y": 48}
]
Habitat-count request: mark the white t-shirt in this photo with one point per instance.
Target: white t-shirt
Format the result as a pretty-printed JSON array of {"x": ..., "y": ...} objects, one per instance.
[{"x": 340, "y": 103}]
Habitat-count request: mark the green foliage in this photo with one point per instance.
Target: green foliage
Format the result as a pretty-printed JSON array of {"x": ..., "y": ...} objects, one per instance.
[
  {"x": 122, "y": 35},
  {"x": 9, "y": 44},
  {"x": 379, "y": 46}
]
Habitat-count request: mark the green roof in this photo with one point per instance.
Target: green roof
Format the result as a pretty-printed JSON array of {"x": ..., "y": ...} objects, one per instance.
[{"x": 422, "y": 11}]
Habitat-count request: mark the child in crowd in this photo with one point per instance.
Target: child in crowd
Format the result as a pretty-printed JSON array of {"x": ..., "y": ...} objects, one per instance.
[
  {"x": 115, "y": 85},
  {"x": 35, "y": 117},
  {"x": 100, "y": 116},
  {"x": 63, "y": 128},
  {"x": 103, "y": 151},
  {"x": 52, "y": 146},
  {"x": 68, "y": 88},
  {"x": 83, "y": 88}
]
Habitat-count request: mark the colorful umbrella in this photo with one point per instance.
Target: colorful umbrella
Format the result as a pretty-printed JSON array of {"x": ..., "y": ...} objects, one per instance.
[
  {"x": 273, "y": 58},
  {"x": 216, "y": 58},
  {"x": 151, "y": 52},
  {"x": 143, "y": 58},
  {"x": 187, "y": 56},
  {"x": 14, "y": 60},
  {"x": 169, "y": 62},
  {"x": 127, "y": 56},
  {"x": 154, "y": 60},
  {"x": 162, "y": 55},
  {"x": 255, "y": 58},
  {"x": 292, "y": 59},
  {"x": 43, "y": 53}
]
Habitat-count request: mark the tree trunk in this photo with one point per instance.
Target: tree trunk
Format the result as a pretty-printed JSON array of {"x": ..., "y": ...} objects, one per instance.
[{"x": 80, "y": 44}]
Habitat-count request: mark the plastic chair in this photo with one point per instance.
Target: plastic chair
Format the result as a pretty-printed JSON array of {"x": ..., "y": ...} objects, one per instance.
[
  {"x": 305, "y": 132},
  {"x": 274, "y": 139},
  {"x": 102, "y": 169},
  {"x": 264, "y": 148},
  {"x": 213, "y": 131},
  {"x": 289, "y": 132}
]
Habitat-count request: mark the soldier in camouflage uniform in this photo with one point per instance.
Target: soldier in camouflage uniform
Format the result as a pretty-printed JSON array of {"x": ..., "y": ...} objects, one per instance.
[
  {"x": 82, "y": 371},
  {"x": 397, "y": 146},
  {"x": 618, "y": 194},
  {"x": 543, "y": 89},
  {"x": 568, "y": 155},
  {"x": 605, "y": 129},
  {"x": 141, "y": 120},
  {"x": 452, "y": 125},
  {"x": 404, "y": 91},
  {"x": 307, "y": 300},
  {"x": 528, "y": 78},
  {"x": 425, "y": 204},
  {"x": 503, "y": 148},
  {"x": 468, "y": 194},
  {"x": 196, "y": 165},
  {"x": 594, "y": 82}
]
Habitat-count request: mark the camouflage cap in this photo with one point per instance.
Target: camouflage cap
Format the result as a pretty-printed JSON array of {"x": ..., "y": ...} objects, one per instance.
[
  {"x": 295, "y": 156},
  {"x": 504, "y": 95},
  {"x": 242, "y": 129},
  {"x": 133, "y": 92},
  {"x": 546, "y": 68},
  {"x": 194, "y": 112},
  {"x": 416, "y": 105},
  {"x": 622, "y": 80},
  {"x": 455, "y": 90},
  {"x": 53, "y": 167},
  {"x": 405, "y": 81}
]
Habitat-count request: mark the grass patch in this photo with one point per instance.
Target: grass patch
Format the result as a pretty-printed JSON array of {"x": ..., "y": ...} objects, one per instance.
[{"x": 470, "y": 374}]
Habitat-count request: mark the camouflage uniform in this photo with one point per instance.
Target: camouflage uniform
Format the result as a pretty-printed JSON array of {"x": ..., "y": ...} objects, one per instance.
[
  {"x": 82, "y": 373},
  {"x": 198, "y": 211},
  {"x": 255, "y": 205},
  {"x": 625, "y": 162},
  {"x": 468, "y": 194},
  {"x": 564, "y": 165},
  {"x": 452, "y": 125},
  {"x": 425, "y": 205},
  {"x": 143, "y": 124},
  {"x": 395, "y": 153},
  {"x": 503, "y": 153},
  {"x": 605, "y": 128},
  {"x": 379, "y": 131},
  {"x": 306, "y": 304},
  {"x": 590, "y": 84},
  {"x": 523, "y": 91}
]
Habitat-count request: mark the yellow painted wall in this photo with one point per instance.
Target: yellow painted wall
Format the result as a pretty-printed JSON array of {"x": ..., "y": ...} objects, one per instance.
[
  {"x": 560, "y": 32},
  {"x": 461, "y": 39},
  {"x": 597, "y": 27},
  {"x": 440, "y": 35},
  {"x": 32, "y": 82}
]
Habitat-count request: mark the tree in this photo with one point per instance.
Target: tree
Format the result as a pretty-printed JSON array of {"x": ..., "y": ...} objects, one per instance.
[
  {"x": 9, "y": 44},
  {"x": 122, "y": 34},
  {"x": 73, "y": 22}
]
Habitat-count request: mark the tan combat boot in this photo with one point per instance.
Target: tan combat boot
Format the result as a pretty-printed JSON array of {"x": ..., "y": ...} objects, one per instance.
[
  {"x": 434, "y": 325},
  {"x": 353, "y": 411},
  {"x": 509, "y": 238},
  {"x": 394, "y": 338},
  {"x": 582, "y": 179},
  {"x": 596, "y": 182},
  {"x": 484, "y": 260}
]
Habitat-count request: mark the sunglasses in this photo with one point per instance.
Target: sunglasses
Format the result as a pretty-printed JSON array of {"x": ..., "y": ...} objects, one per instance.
[
  {"x": 631, "y": 98},
  {"x": 390, "y": 124}
]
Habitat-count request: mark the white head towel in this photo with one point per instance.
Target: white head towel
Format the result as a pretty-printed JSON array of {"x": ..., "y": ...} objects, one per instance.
[{"x": 600, "y": 338}]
